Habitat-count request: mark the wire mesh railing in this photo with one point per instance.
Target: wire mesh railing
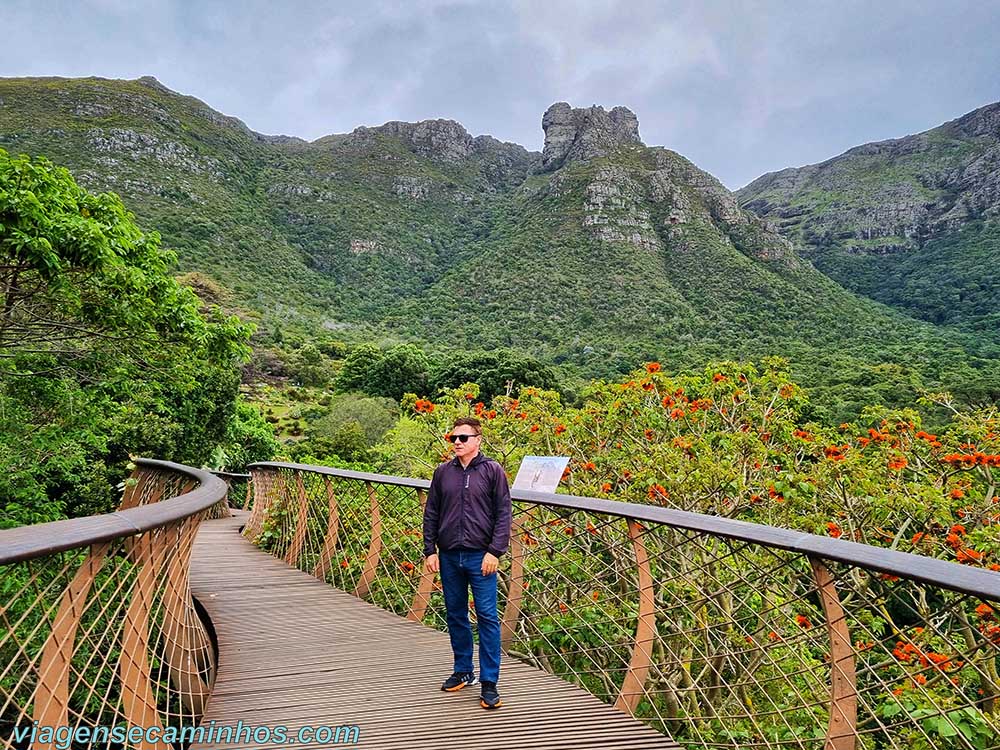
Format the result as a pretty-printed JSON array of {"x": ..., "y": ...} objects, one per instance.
[
  {"x": 100, "y": 643},
  {"x": 718, "y": 632},
  {"x": 238, "y": 495}
]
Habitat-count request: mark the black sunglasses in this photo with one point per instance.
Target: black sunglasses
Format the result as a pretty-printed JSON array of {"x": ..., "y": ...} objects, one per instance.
[{"x": 463, "y": 438}]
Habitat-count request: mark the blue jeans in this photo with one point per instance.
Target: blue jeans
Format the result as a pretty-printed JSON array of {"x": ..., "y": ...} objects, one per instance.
[{"x": 459, "y": 570}]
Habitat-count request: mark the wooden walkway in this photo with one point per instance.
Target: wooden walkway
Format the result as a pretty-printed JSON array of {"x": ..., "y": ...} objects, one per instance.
[{"x": 295, "y": 651}]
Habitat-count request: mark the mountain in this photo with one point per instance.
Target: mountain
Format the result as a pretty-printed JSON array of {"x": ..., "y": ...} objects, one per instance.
[
  {"x": 912, "y": 222},
  {"x": 598, "y": 253}
]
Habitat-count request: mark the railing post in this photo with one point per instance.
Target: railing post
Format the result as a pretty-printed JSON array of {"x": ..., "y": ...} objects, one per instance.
[
  {"x": 138, "y": 701},
  {"x": 633, "y": 687},
  {"x": 374, "y": 547},
  {"x": 422, "y": 596},
  {"x": 179, "y": 651},
  {"x": 515, "y": 584},
  {"x": 51, "y": 698},
  {"x": 301, "y": 524},
  {"x": 332, "y": 531},
  {"x": 842, "y": 731}
]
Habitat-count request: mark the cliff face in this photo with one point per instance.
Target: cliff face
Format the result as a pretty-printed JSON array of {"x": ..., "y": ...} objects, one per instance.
[
  {"x": 582, "y": 134},
  {"x": 892, "y": 195},
  {"x": 885, "y": 218}
]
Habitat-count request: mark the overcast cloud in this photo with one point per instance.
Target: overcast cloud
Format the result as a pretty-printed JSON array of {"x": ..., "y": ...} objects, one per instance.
[{"x": 740, "y": 88}]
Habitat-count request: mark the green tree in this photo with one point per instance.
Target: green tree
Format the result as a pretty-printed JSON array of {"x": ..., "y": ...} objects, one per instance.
[
  {"x": 355, "y": 374},
  {"x": 103, "y": 354},
  {"x": 492, "y": 371},
  {"x": 402, "y": 369},
  {"x": 75, "y": 267}
]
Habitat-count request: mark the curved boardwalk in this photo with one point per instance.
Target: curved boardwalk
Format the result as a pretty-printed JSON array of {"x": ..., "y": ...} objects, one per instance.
[{"x": 295, "y": 651}]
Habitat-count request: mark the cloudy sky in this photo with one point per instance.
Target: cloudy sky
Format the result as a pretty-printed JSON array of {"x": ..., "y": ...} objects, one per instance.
[{"x": 741, "y": 88}]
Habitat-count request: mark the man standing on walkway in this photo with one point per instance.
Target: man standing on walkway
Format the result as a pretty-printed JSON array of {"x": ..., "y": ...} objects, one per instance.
[{"x": 466, "y": 530}]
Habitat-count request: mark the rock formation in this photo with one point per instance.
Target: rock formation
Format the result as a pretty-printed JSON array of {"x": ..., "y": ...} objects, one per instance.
[{"x": 582, "y": 134}]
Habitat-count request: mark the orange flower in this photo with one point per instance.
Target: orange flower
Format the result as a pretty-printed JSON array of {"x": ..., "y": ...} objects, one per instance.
[
  {"x": 773, "y": 636},
  {"x": 650, "y": 435},
  {"x": 836, "y": 452},
  {"x": 606, "y": 487},
  {"x": 786, "y": 391},
  {"x": 589, "y": 466},
  {"x": 918, "y": 537},
  {"x": 596, "y": 595},
  {"x": 653, "y": 367},
  {"x": 658, "y": 493},
  {"x": 677, "y": 414},
  {"x": 591, "y": 529},
  {"x": 479, "y": 407},
  {"x": 968, "y": 555},
  {"x": 423, "y": 406},
  {"x": 958, "y": 529},
  {"x": 833, "y": 529},
  {"x": 560, "y": 429},
  {"x": 803, "y": 435},
  {"x": 957, "y": 493},
  {"x": 718, "y": 377},
  {"x": 491, "y": 414},
  {"x": 407, "y": 566},
  {"x": 897, "y": 463},
  {"x": 343, "y": 563},
  {"x": 563, "y": 608},
  {"x": 803, "y": 621},
  {"x": 534, "y": 428},
  {"x": 985, "y": 611}
]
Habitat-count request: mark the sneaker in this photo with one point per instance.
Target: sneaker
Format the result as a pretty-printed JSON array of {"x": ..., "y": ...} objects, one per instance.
[
  {"x": 488, "y": 696},
  {"x": 458, "y": 681}
]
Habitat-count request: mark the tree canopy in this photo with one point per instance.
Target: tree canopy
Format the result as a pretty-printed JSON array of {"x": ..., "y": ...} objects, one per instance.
[{"x": 103, "y": 354}]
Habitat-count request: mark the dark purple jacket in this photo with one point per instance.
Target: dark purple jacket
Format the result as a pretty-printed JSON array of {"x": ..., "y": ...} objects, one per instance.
[{"x": 468, "y": 508}]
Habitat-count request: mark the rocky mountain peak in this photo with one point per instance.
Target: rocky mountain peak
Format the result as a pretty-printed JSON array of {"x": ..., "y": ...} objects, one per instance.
[
  {"x": 581, "y": 134},
  {"x": 444, "y": 139},
  {"x": 981, "y": 122}
]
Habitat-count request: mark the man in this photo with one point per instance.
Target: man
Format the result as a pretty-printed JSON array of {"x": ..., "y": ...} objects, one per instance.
[{"x": 466, "y": 530}]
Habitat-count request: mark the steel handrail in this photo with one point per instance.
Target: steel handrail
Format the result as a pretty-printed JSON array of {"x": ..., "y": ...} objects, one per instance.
[
  {"x": 39, "y": 540},
  {"x": 943, "y": 573}
]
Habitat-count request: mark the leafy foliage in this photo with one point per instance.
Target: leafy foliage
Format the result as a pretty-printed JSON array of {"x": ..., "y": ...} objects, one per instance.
[
  {"x": 732, "y": 441},
  {"x": 368, "y": 238},
  {"x": 104, "y": 354}
]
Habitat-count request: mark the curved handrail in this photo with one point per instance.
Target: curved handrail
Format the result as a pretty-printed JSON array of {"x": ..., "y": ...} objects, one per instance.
[
  {"x": 231, "y": 475},
  {"x": 718, "y": 632},
  {"x": 942, "y": 573},
  {"x": 27, "y": 542}
]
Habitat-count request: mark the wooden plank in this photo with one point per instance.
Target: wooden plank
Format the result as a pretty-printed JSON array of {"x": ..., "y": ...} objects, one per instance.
[{"x": 295, "y": 651}]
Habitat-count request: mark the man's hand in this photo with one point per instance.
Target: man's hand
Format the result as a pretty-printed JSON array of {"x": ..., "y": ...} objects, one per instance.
[
  {"x": 432, "y": 564},
  {"x": 490, "y": 564}
]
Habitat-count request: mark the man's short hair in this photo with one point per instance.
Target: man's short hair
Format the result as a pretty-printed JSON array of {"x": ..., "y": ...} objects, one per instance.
[{"x": 470, "y": 422}]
